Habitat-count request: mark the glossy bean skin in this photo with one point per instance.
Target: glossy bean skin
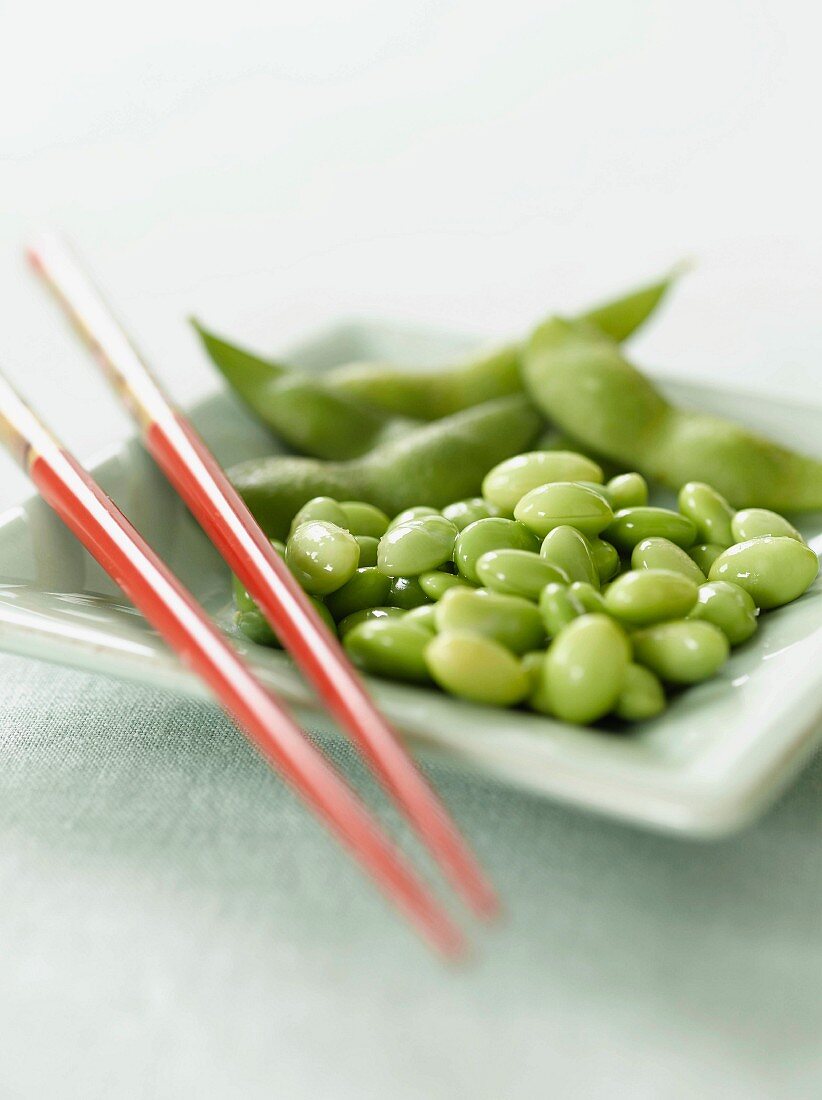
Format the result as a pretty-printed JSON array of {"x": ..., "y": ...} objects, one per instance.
[
  {"x": 370, "y": 614},
  {"x": 729, "y": 607},
  {"x": 368, "y": 587},
  {"x": 587, "y": 597},
  {"x": 322, "y": 556},
  {"x": 774, "y": 570},
  {"x": 709, "y": 512},
  {"x": 658, "y": 553},
  {"x": 508, "y": 482},
  {"x": 605, "y": 557},
  {"x": 683, "y": 652},
  {"x": 368, "y": 549},
  {"x": 476, "y": 668},
  {"x": 644, "y": 596},
  {"x": 642, "y": 696},
  {"x": 320, "y": 508},
  {"x": 518, "y": 572},
  {"x": 364, "y": 519},
  {"x": 627, "y": 491},
  {"x": 756, "y": 523},
  {"x": 436, "y": 583},
  {"x": 463, "y": 512},
  {"x": 570, "y": 552},
  {"x": 424, "y": 615},
  {"x": 585, "y": 669},
  {"x": 489, "y": 534},
  {"x": 407, "y": 593},
  {"x": 533, "y": 665},
  {"x": 251, "y": 621},
  {"x": 511, "y": 621},
  {"x": 631, "y": 526},
  {"x": 557, "y": 608},
  {"x": 419, "y": 511},
  {"x": 564, "y": 504},
  {"x": 416, "y": 546},
  {"x": 704, "y": 554},
  {"x": 389, "y": 647}
]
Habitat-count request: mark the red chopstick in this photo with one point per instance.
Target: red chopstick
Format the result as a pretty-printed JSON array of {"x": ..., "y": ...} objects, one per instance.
[
  {"x": 170, "y": 608},
  {"x": 199, "y": 480}
]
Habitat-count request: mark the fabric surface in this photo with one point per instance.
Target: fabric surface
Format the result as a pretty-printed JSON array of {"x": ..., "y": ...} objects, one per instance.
[{"x": 174, "y": 923}]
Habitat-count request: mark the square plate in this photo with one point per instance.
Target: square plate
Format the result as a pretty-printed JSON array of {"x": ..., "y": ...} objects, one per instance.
[{"x": 710, "y": 764}]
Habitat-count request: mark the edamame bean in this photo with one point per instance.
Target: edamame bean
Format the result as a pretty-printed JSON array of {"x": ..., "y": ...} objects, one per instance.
[
  {"x": 533, "y": 665},
  {"x": 476, "y": 668},
  {"x": 561, "y": 504},
  {"x": 463, "y": 512},
  {"x": 773, "y": 569},
  {"x": 756, "y": 523},
  {"x": 364, "y": 519},
  {"x": 509, "y": 620},
  {"x": 682, "y": 652},
  {"x": 557, "y": 608},
  {"x": 407, "y": 593},
  {"x": 322, "y": 556},
  {"x": 585, "y": 668},
  {"x": 251, "y": 621},
  {"x": 729, "y": 607},
  {"x": 709, "y": 511},
  {"x": 367, "y": 588},
  {"x": 424, "y": 615},
  {"x": 606, "y": 558},
  {"x": 416, "y": 546},
  {"x": 704, "y": 554},
  {"x": 518, "y": 572},
  {"x": 509, "y": 481},
  {"x": 483, "y": 535},
  {"x": 570, "y": 552},
  {"x": 627, "y": 491},
  {"x": 590, "y": 599},
  {"x": 417, "y": 512},
  {"x": 631, "y": 525},
  {"x": 320, "y": 508},
  {"x": 642, "y": 695},
  {"x": 370, "y": 614},
  {"x": 644, "y": 596},
  {"x": 279, "y": 546},
  {"x": 368, "y": 549},
  {"x": 658, "y": 553},
  {"x": 390, "y": 647},
  {"x": 436, "y": 583}
]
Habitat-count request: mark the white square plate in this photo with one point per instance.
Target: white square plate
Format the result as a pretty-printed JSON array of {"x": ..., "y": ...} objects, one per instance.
[{"x": 711, "y": 763}]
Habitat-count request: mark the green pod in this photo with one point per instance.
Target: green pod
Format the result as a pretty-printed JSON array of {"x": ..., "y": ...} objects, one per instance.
[
  {"x": 368, "y": 549},
  {"x": 483, "y": 535},
  {"x": 419, "y": 511},
  {"x": 476, "y": 668},
  {"x": 509, "y": 481},
  {"x": 564, "y": 504},
  {"x": 586, "y": 667},
  {"x": 642, "y": 695},
  {"x": 407, "y": 593},
  {"x": 320, "y": 508},
  {"x": 630, "y": 526},
  {"x": 627, "y": 491},
  {"x": 364, "y": 519},
  {"x": 658, "y": 553},
  {"x": 709, "y": 511},
  {"x": 393, "y": 648},
  {"x": 605, "y": 557},
  {"x": 510, "y": 620},
  {"x": 557, "y": 608},
  {"x": 368, "y": 615},
  {"x": 463, "y": 512},
  {"x": 644, "y": 596},
  {"x": 518, "y": 572},
  {"x": 436, "y": 583},
  {"x": 773, "y": 570},
  {"x": 704, "y": 554},
  {"x": 416, "y": 546},
  {"x": 729, "y": 607},
  {"x": 368, "y": 587},
  {"x": 757, "y": 523},
  {"x": 569, "y": 551},
  {"x": 682, "y": 652},
  {"x": 322, "y": 557}
]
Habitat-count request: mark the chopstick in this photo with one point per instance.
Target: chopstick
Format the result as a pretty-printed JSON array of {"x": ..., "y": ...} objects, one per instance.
[
  {"x": 169, "y": 607},
  {"x": 199, "y": 480}
]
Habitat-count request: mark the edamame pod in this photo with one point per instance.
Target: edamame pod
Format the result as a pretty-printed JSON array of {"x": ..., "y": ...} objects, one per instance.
[
  {"x": 416, "y": 546},
  {"x": 509, "y": 620},
  {"x": 489, "y": 534},
  {"x": 509, "y": 481},
  {"x": 775, "y": 570},
  {"x": 390, "y": 647},
  {"x": 644, "y": 596},
  {"x": 585, "y": 668},
  {"x": 729, "y": 607},
  {"x": 322, "y": 556},
  {"x": 659, "y": 553},
  {"x": 569, "y": 551},
  {"x": 564, "y": 504},
  {"x": 518, "y": 572},
  {"x": 682, "y": 652},
  {"x": 709, "y": 511},
  {"x": 476, "y": 668}
]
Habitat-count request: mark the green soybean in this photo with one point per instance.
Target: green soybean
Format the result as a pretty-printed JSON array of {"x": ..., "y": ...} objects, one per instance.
[
  {"x": 517, "y": 572},
  {"x": 709, "y": 511},
  {"x": 419, "y": 511},
  {"x": 630, "y": 526},
  {"x": 569, "y": 551},
  {"x": 320, "y": 508},
  {"x": 251, "y": 621},
  {"x": 322, "y": 556},
  {"x": 564, "y": 504},
  {"x": 389, "y": 647},
  {"x": 368, "y": 587},
  {"x": 773, "y": 569},
  {"x": 533, "y": 665},
  {"x": 729, "y": 607},
  {"x": 509, "y": 481},
  {"x": 557, "y": 608},
  {"x": 424, "y": 615},
  {"x": 606, "y": 558},
  {"x": 463, "y": 512},
  {"x": 704, "y": 554},
  {"x": 364, "y": 519},
  {"x": 407, "y": 593},
  {"x": 627, "y": 491},
  {"x": 510, "y": 620},
  {"x": 586, "y": 667},
  {"x": 756, "y": 523},
  {"x": 483, "y": 535},
  {"x": 658, "y": 553},
  {"x": 416, "y": 546},
  {"x": 587, "y": 597},
  {"x": 436, "y": 583},
  {"x": 644, "y": 596},
  {"x": 642, "y": 695},
  {"x": 682, "y": 652},
  {"x": 368, "y": 549},
  {"x": 476, "y": 668},
  {"x": 370, "y": 614}
]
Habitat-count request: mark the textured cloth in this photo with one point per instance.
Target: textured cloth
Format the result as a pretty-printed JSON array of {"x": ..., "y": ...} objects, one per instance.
[{"x": 174, "y": 923}]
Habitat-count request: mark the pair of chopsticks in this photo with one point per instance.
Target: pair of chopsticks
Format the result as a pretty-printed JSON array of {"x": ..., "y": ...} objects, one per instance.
[{"x": 166, "y": 604}]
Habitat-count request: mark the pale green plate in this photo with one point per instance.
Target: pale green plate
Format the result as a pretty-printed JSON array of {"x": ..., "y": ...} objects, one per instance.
[{"x": 714, "y": 761}]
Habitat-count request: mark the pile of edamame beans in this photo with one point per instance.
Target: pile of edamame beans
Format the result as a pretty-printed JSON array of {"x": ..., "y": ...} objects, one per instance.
[{"x": 555, "y": 591}]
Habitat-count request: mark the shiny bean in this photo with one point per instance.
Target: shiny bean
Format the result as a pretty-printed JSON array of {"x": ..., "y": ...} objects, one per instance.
[
  {"x": 756, "y": 523},
  {"x": 483, "y": 535},
  {"x": 463, "y": 512},
  {"x": 606, "y": 558},
  {"x": 564, "y": 503},
  {"x": 510, "y": 620},
  {"x": 774, "y": 569},
  {"x": 631, "y": 526},
  {"x": 682, "y": 652},
  {"x": 533, "y": 665},
  {"x": 704, "y": 554},
  {"x": 390, "y": 647},
  {"x": 627, "y": 491},
  {"x": 407, "y": 593},
  {"x": 590, "y": 599},
  {"x": 642, "y": 695},
  {"x": 251, "y": 621},
  {"x": 570, "y": 552},
  {"x": 658, "y": 553},
  {"x": 370, "y": 614},
  {"x": 644, "y": 596},
  {"x": 322, "y": 556},
  {"x": 424, "y": 615},
  {"x": 585, "y": 668},
  {"x": 368, "y": 549},
  {"x": 476, "y": 668},
  {"x": 709, "y": 511},
  {"x": 436, "y": 583},
  {"x": 729, "y": 607},
  {"x": 368, "y": 587},
  {"x": 557, "y": 608},
  {"x": 416, "y": 546},
  {"x": 320, "y": 508},
  {"x": 417, "y": 512},
  {"x": 508, "y": 482},
  {"x": 518, "y": 572},
  {"x": 364, "y": 519}
]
